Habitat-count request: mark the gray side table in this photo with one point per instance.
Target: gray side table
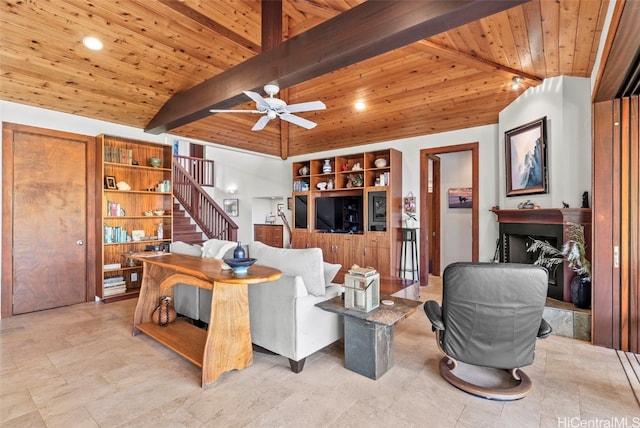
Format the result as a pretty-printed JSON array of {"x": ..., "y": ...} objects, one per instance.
[{"x": 368, "y": 336}]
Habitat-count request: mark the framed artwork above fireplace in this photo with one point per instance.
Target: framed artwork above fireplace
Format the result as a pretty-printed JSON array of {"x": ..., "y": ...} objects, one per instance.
[{"x": 526, "y": 158}]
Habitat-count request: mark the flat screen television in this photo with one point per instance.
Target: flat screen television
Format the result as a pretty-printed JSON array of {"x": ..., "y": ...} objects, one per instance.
[{"x": 339, "y": 214}]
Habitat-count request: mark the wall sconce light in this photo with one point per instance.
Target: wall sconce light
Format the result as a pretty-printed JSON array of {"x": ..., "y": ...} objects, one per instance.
[
  {"x": 516, "y": 81},
  {"x": 232, "y": 190}
]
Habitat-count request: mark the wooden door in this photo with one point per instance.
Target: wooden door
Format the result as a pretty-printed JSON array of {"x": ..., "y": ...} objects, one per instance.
[{"x": 47, "y": 196}]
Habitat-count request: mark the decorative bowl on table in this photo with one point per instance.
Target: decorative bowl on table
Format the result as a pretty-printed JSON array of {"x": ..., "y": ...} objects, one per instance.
[{"x": 240, "y": 266}]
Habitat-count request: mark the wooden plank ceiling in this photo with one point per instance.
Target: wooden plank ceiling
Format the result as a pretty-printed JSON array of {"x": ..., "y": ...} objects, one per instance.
[{"x": 155, "y": 49}]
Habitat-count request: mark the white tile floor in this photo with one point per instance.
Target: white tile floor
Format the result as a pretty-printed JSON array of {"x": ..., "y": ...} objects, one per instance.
[{"x": 79, "y": 366}]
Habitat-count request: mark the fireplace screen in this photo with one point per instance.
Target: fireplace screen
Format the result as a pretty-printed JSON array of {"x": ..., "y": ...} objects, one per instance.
[{"x": 516, "y": 239}]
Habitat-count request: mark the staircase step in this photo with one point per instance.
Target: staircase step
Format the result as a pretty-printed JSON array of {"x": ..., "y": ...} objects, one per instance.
[{"x": 189, "y": 238}]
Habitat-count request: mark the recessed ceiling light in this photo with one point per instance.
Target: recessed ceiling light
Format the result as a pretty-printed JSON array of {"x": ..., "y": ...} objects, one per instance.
[
  {"x": 516, "y": 81},
  {"x": 92, "y": 43},
  {"x": 360, "y": 105}
]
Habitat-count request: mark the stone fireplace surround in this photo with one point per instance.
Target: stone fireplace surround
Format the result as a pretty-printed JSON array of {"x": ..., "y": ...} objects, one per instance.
[{"x": 517, "y": 227}]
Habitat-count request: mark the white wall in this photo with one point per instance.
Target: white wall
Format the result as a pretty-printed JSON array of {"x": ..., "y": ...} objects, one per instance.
[
  {"x": 566, "y": 102},
  {"x": 455, "y": 223}
]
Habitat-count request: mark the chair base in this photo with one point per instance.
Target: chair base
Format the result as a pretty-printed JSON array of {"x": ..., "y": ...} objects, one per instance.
[{"x": 516, "y": 392}]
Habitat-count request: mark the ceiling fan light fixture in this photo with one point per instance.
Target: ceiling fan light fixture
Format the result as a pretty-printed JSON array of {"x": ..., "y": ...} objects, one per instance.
[
  {"x": 516, "y": 82},
  {"x": 92, "y": 43}
]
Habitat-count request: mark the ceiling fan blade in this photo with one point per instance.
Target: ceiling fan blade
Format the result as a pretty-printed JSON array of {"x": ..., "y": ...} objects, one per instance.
[
  {"x": 261, "y": 123},
  {"x": 234, "y": 111},
  {"x": 309, "y": 106},
  {"x": 260, "y": 102},
  {"x": 297, "y": 120}
]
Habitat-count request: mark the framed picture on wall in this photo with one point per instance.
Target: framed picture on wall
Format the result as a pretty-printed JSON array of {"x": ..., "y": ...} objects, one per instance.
[
  {"x": 460, "y": 197},
  {"x": 231, "y": 207},
  {"x": 526, "y": 158}
]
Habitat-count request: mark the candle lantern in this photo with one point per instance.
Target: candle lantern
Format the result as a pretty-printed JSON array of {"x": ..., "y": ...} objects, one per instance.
[{"x": 362, "y": 289}]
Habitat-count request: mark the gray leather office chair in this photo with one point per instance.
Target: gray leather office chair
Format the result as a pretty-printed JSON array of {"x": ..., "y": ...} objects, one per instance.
[{"x": 491, "y": 316}]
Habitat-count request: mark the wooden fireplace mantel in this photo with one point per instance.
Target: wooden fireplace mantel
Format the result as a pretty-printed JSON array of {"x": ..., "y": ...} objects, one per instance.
[{"x": 545, "y": 215}]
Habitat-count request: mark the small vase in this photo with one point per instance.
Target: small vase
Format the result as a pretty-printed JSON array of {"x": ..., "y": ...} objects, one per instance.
[
  {"x": 304, "y": 170},
  {"x": 581, "y": 291},
  {"x": 330, "y": 185},
  {"x": 326, "y": 168},
  {"x": 164, "y": 313},
  {"x": 239, "y": 253}
]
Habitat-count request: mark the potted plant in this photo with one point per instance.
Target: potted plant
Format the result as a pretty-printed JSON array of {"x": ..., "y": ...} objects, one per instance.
[
  {"x": 411, "y": 221},
  {"x": 574, "y": 253}
]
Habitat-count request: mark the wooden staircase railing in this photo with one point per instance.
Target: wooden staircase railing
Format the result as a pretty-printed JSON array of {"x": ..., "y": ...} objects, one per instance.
[
  {"x": 204, "y": 211},
  {"x": 201, "y": 170}
]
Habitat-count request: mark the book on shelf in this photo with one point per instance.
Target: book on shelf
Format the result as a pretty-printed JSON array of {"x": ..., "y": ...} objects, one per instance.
[
  {"x": 115, "y": 285},
  {"x": 115, "y": 290},
  {"x": 112, "y": 266},
  {"x": 112, "y": 279}
]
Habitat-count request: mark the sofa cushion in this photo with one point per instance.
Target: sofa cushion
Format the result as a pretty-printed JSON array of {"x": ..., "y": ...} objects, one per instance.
[
  {"x": 330, "y": 272},
  {"x": 305, "y": 262},
  {"x": 180, "y": 247},
  {"x": 216, "y": 248}
]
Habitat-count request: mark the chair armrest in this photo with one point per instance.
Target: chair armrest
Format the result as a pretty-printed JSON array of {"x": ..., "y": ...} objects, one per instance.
[
  {"x": 545, "y": 329},
  {"x": 434, "y": 313}
]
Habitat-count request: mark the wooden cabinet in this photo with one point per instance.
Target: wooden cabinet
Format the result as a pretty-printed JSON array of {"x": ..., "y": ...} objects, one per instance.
[
  {"x": 135, "y": 211},
  {"x": 376, "y": 252},
  {"x": 270, "y": 234},
  {"x": 301, "y": 239},
  {"x": 373, "y": 177},
  {"x": 343, "y": 249}
]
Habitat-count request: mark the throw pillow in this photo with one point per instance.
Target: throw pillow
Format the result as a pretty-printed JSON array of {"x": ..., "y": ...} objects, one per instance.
[
  {"x": 305, "y": 262},
  {"x": 180, "y": 247},
  {"x": 216, "y": 248},
  {"x": 330, "y": 272}
]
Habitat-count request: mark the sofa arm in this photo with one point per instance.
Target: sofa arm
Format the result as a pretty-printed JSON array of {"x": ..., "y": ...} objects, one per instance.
[{"x": 272, "y": 309}]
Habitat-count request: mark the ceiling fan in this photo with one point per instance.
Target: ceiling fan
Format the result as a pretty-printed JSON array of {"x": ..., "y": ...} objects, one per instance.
[{"x": 274, "y": 107}]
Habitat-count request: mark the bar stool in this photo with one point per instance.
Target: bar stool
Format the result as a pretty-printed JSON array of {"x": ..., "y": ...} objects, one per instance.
[{"x": 409, "y": 239}]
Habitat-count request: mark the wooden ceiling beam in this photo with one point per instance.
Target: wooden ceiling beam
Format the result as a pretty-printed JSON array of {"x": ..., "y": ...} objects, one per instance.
[
  {"x": 271, "y": 24},
  {"x": 207, "y": 22},
  {"x": 365, "y": 31}
]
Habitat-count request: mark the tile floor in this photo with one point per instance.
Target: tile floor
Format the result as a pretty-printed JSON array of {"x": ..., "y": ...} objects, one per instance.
[{"x": 79, "y": 366}]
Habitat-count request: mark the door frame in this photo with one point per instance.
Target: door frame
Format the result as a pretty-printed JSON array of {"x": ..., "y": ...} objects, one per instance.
[
  {"x": 433, "y": 204},
  {"x": 93, "y": 188},
  {"x": 425, "y": 215}
]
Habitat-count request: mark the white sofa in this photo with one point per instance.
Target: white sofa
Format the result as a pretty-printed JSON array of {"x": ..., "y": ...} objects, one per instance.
[{"x": 284, "y": 318}]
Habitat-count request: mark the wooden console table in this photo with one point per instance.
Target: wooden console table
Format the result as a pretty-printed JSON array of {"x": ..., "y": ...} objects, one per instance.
[{"x": 226, "y": 345}]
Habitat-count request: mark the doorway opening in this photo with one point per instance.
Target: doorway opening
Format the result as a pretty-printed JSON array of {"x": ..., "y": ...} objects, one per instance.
[{"x": 430, "y": 206}]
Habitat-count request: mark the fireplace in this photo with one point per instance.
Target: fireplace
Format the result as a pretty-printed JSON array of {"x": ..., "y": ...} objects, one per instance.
[
  {"x": 518, "y": 227},
  {"x": 515, "y": 239}
]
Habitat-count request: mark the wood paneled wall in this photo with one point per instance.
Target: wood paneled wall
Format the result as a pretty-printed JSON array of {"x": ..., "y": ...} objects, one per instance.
[{"x": 616, "y": 224}]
